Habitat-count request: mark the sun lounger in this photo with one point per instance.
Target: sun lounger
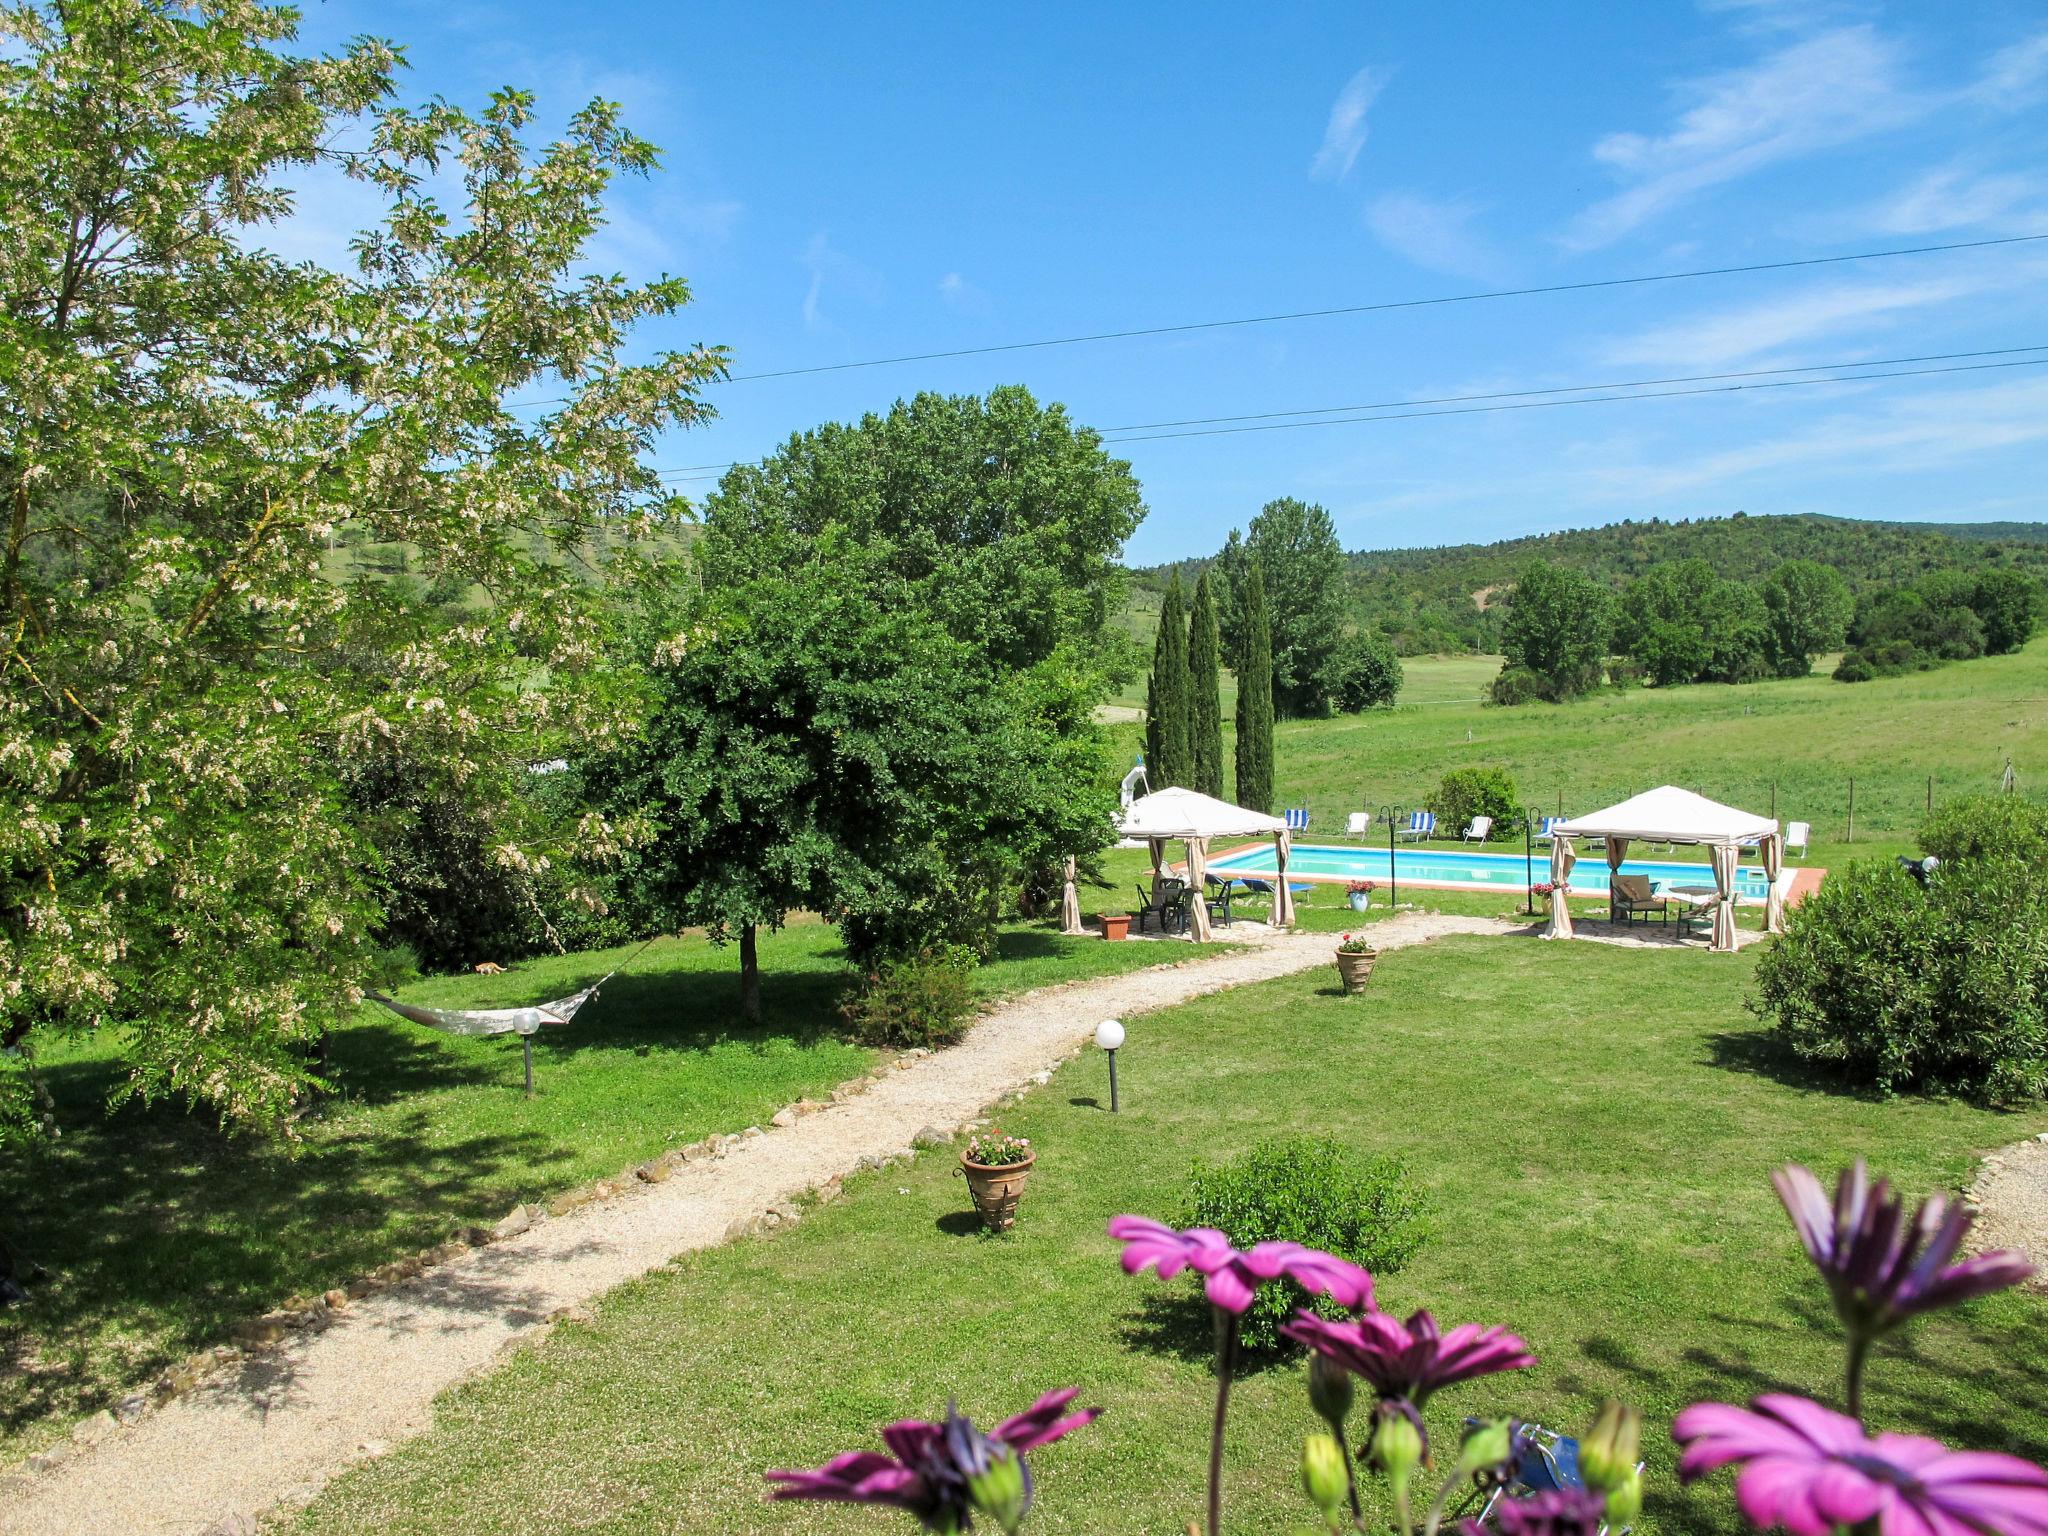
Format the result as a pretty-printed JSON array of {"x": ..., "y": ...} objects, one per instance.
[
  {"x": 1796, "y": 835},
  {"x": 1297, "y": 819},
  {"x": 1480, "y": 829},
  {"x": 1358, "y": 823},
  {"x": 1420, "y": 824}
]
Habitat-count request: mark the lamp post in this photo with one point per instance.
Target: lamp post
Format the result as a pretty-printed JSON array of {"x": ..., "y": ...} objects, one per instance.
[
  {"x": 1109, "y": 1034},
  {"x": 1392, "y": 814},
  {"x": 1529, "y": 862}
]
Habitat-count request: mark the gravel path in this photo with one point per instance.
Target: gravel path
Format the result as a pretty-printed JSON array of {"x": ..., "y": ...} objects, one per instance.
[
  {"x": 2011, "y": 1196},
  {"x": 286, "y": 1420}
]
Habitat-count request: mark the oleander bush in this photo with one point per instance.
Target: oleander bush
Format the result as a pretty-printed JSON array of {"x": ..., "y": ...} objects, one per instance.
[{"x": 1939, "y": 987}]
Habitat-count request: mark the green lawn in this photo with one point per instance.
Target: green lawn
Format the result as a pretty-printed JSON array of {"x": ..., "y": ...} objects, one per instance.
[
  {"x": 1808, "y": 737},
  {"x": 161, "y": 1232},
  {"x": 1596, "y": 1127}
]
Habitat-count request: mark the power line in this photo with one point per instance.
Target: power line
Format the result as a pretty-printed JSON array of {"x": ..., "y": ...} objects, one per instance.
[
  {"x": 1382, "y": 306},
  {"x": 1537, "y": 405},
  {"x": 710, "y": 471},
  {"x": 1392, "y": 304}
]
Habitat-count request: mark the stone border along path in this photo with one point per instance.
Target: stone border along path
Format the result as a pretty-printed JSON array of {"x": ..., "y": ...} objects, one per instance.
[{"x": 280, "y": 1422}]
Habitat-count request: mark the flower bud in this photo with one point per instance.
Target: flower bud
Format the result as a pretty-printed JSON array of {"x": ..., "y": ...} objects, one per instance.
[
  {"x": 1488, "y": 1444},
  {"x": 1329, "y": 1391},
  {"x": 1625, "y": 1501},
  {"x": 1399, "y": 1445},
  {"x": 1002, "y": 1491},
  {"x": 1611, "y": 1448},
  {"x": 1323, "y": 1475}
]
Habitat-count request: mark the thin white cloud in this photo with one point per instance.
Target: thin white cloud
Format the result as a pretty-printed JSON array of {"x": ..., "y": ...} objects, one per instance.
[
  {"x": 1812, "y": 94},
  {"x": 957, "y": 293},
  {"x": 1431, "y": 232},
  {"x": 830, "y": 269},
  {"x": 1344, "y": 136},
  {"x": 1898, "y": 435},
  {"x": 1747, "y": 332},
  {"x": 1953, "y": 197},
  {"x": 2016, "y": 76}
]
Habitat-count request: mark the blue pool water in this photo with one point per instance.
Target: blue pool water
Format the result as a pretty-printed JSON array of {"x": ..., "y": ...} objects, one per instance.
[{"x": 1479, "y": 871}]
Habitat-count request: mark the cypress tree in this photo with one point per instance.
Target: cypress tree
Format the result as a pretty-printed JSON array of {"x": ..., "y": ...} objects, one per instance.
[
  {"x": 1255, "y": 699},
  {"x": 1166, "y": 701},
  {"x": 1205, "y": 695}
]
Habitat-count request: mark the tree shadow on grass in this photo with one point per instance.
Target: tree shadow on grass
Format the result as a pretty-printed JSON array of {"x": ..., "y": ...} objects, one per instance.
[
  {"x": 1177, "y": 1321},
  {"x": 1999, "y": 1352},
  {"x": 160, "y": 1232},
  {"x": 1759, "y": 1053}
]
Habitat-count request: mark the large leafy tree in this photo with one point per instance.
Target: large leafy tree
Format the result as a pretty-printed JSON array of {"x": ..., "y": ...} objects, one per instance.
[
  {"x": 1205, "y": 693},
  {"x": 1683, "y": 622},
  {"x": 1809, "y": 606},
  {"x": 1556, "y": 633},
  {"x": 185, "y": 419},
  {"x": 2008, "y": 604},
  {"x": 1169, "y": 750},
  {"x": 1296, "y": 546},
  {"x": 1255, "y": 699},
  {"x": 817, "y": 742},
  {"x": 991, "y": 526}
]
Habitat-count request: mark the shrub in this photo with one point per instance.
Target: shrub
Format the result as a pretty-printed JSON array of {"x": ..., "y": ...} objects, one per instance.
[
  {"x": 1467, "y": 792},
  {"x": 1314, "y": 1192},
  {"x": 1981, "y": 827},
  {"x": 1624, "y": 672},
  {"x": 1363, "y": 673},
  {"x": 1900, "y": 987},
  {"x": 921, "y": 999},
  {"x": 1516, "y": 685}
]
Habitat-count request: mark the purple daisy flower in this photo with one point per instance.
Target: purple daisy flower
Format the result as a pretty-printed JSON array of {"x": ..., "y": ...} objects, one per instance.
[
  {"x": 1565, "y": 1512},
  {"x": 1812, "y": 1470},
  {"x": 1412, "y": 1359},
  {"x": 931, "y": 1469},
  {"x": 1881, "y": 1267},
  {"x": 1232, "y": 1278}
]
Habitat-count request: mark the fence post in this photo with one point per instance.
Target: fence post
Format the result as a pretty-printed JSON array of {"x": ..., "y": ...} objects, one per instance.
[
  {"x": 1774, "y": 799},
  {"x": 1930, "y": 794},
  {"x": 1851, "y": 837}
]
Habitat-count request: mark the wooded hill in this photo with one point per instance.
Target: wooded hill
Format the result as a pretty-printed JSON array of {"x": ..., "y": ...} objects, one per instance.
[{"x": 1431, "y": 600}]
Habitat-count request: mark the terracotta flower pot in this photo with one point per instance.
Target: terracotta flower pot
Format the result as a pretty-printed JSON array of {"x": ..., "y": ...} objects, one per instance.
[
  {"x": 996, "y": 1188},
  {"x": 1116, "y": 927},
  {"x": 1355, "y": 968}
]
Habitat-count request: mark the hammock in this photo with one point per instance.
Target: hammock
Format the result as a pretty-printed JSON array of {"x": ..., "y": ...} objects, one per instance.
[
  {"x": 523, "y": 1022},
  {"x": 491, "y": 1021}
]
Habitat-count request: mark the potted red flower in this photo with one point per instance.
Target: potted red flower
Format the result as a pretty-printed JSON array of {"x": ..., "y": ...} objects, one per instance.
[
  {"x": 1359, "y": 894},
  {"x": 1355, "y": 957},
  {"x": 996, "y": 1165}
]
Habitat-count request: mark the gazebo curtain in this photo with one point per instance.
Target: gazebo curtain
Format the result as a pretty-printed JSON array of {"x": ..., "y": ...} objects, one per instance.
[
  {"x": 1724, "y": 855},
  {"x": 1562, "y": 858},
  {"x": 1617, "y": 850},
  {"x": 1198, "y": 903},
  {"x": 1774, "y": 864},
  {"x": 1283, "y": 894},
  {"x": 1070, "y": 899}
]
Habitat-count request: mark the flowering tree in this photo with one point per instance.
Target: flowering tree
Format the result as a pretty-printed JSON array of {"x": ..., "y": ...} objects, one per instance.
[{"x": 185, "y": 420}]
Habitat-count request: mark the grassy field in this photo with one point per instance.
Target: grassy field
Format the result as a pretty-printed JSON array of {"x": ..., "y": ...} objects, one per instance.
[
  {"x": 1595, "y": 1127},
  {"x": 161, "y": 1232},
  {"x": 1796, "y": 743}
]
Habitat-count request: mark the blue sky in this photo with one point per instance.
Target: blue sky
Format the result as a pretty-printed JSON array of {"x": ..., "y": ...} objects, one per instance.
[{"x": 851, "y": 182}]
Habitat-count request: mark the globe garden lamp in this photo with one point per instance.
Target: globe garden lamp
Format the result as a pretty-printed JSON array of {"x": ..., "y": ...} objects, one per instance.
[{"x": 1109, "y": 1034}]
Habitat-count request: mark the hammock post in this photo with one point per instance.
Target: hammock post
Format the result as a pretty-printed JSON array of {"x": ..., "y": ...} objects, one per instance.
[{"x": 526, "y": 1047}]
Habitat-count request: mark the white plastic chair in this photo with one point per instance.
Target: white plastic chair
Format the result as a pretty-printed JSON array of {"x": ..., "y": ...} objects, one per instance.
[
  {"x": 1796, "y": 835},
  {"x": 1480, "y": 829},
  {"x": 1358, "y": 822}
]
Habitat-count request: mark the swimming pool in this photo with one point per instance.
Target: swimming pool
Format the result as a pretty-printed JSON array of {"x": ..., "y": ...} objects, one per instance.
[{"x": 1456, "y": 870}]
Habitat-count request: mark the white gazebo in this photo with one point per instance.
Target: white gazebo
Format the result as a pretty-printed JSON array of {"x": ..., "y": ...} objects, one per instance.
[
  {"x": 1673, "y": 815},
  {"x": 1182, "y": 815}
]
